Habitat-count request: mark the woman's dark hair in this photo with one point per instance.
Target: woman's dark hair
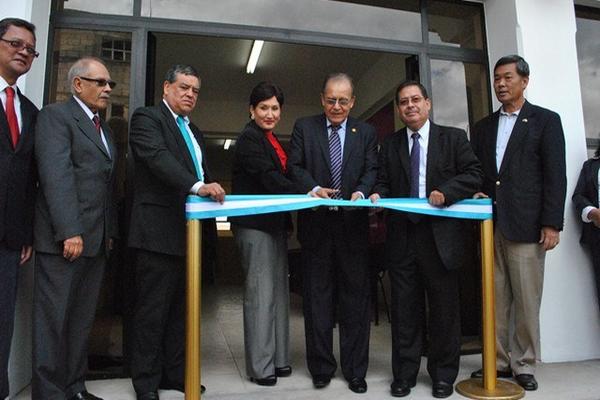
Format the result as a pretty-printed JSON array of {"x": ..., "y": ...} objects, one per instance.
[{"x": 264, "y": 91}]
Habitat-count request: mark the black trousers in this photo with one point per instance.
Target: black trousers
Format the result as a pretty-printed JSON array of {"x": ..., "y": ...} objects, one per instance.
[
  {"x": 158, "y": 337},
  {"x": 421, "y": 277},
  {"x": 65, "y": 296},
  {"x": 596, "y": 263},
  {"x": 336, "y": 278},
  {"x": 9, "y": 264}
]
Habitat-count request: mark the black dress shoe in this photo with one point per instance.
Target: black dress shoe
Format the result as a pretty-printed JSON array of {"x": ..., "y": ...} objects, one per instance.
[
  {"x": 358, "y": 385},
  {"x": 441, "y": 389},
  {"x": 148, "y": 396},
  {"x": 283, "y": 371},
  {"x": 401, "y": 388},
  {"x": 321, "y": 381},
  {"x": 270, "y": 380},
  {"x": 527, "y": 381},
  {"x": 85, "y": 395},
  {"x": 501, "y": 373}
]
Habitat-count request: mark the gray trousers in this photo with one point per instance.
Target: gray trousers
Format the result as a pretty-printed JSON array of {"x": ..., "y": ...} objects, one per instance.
[
  {"x": 266, "y": 300},
  {"x": 65, "y": 295},
  {"x": 519, "y": 279}
]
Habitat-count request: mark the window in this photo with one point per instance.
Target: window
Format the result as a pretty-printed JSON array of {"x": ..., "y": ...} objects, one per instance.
[
  {"x": 588, "y": 56},
  {"x": 116, "y": 50}
]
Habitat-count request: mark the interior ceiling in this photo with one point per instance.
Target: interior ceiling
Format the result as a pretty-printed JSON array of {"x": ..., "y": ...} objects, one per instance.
[{"x": 298, "y": 69}]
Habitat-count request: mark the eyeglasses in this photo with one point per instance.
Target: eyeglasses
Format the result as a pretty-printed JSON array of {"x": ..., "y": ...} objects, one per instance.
[
  {"x": 100, "y": 82},
  {"x": 20, "y": 45},
  {"x": 342, "y": 102},
  {"x": 415, "y": 99}
]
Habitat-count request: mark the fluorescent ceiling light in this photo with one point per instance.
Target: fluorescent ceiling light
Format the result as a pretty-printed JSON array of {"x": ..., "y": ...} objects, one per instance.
[
  {"x": 227, "y": 144},
  {"x": 254, "y": 55}
]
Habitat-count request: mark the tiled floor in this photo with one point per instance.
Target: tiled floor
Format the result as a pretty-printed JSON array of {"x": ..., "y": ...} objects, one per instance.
[{"x": 223, "y": 365}]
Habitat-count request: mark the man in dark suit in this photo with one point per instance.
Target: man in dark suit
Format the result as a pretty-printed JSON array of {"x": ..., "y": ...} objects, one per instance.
[
  {"x": 334, "y": 155},
  {"x": 585, "y": 200},
  {"x": 75, "y": 222},
  {"x": 170, "y": 164},
  {"x": 522, "y": 151},
  {"x": 17, "y": 174},
  {"x": 424, "y": 253}
]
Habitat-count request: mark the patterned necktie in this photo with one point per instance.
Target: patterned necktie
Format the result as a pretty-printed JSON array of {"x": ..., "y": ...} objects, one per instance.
[
  {"x": 415, "y": 161},
  {"x": 188, "y": 141},
  {"x": 96, "y": 121},
  {"x": 11, "y": 116},
  {"x": 335, "y": 154}
]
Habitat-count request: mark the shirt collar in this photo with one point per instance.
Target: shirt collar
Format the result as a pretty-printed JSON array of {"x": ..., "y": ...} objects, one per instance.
[
  {"x": 4, "y": 85},
  {"x": 509, "y": 114},
  {"x": 342, "y": 125},
  {"x": 185, "y": 118},
  {"x": 85, "y": 108},
  {"x": 424, "y": 131}
]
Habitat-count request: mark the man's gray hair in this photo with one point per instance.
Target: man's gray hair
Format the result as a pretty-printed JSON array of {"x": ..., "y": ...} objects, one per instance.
[
  {"x": 171, "y": 75},
  {"x": 80, "y": 68},
  {"x": 337, "y": 76}
]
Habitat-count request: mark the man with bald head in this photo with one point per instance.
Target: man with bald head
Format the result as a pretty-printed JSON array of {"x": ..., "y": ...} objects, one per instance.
[{"x": 74, "y": 226}]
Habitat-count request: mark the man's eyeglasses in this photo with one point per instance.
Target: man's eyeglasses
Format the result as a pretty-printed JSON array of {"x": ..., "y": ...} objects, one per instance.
[
  {"x": 342, "y": 102},
  {"x": 20, "y": 45},
  {"x": 100, "y": 82}
]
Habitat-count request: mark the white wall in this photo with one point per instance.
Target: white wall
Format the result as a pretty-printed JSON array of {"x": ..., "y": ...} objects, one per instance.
[
  {"x": 32, "y": 85},
  {"x": 543, "y": 32}
]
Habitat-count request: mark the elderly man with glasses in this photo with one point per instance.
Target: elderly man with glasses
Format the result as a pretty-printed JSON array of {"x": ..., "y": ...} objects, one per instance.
[{"x": 75, "y": 222}]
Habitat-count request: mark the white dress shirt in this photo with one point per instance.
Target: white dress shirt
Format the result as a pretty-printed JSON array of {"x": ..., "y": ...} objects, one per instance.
[
  {"x": 423, "y": 142},
  {"x": 91, "y": 115},
  {"x": 506, "y": 123},
  {"x": 3, "y": 86}
]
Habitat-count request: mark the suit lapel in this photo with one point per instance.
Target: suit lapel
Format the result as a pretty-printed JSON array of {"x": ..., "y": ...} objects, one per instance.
[
  {"x": 517, "y": 135},
  {"x": 433, "y": 152},
  {"x": 349, "y": 140},
  {"x": 323, "y": 139},
  {"x": 272, "y": 152},
  {"x": 86, "y": 126},
  {"x": 175, "y": 133},
  {"x": 401, "y": 144},
  {"x": 26, "y": 118},
  {"x": 5, "y": 139}
]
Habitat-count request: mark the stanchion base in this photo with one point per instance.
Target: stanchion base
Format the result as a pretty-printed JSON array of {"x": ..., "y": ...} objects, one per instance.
[{"x": 473, "y": 389}]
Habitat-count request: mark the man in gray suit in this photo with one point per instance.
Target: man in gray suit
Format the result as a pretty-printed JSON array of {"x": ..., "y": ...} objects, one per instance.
[{"x": 74, "y": 226}]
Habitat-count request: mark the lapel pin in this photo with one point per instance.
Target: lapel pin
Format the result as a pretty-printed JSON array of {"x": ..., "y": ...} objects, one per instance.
[
  {"x": 353, "y": 130},
  {"x": 524, "y": 120}
]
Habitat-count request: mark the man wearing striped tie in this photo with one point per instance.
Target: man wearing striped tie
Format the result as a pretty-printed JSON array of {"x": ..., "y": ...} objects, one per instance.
[
  {"x": 170, "y": 164},
  {"x": 333, "y": 155}
]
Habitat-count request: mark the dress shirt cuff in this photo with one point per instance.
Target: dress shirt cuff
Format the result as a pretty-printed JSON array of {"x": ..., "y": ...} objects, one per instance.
[
  {"x": 196, "y": 187},
  {"x": 585, "y": 212},
  {"x": 362, "y": 195},
  {"x": 315, "y": 189}
]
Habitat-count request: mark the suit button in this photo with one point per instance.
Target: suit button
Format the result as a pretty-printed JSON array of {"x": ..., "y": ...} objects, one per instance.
[
  {"x": 495, "y": 202},
  {"x": 497, "y": 183}
]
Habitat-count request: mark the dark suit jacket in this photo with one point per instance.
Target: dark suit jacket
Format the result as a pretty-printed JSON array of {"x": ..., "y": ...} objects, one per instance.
[
  {"x": 257, "y": 170},
  {"x": 309, "y": 166},
  {"x": 586, "y": 194},
  {"x": 164, "y": 175},
  {"x": 530, "y": 188},
  {"x": 17, "y": 179},
  {"x": 76, "y": 181},
  {"x": 452, "y": 168}
]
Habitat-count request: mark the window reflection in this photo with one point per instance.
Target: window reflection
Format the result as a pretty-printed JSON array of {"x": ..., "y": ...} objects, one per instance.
[
  {"x": 115, "y": 7},
  {"x": 460, "y": 94},
  {"x": 456, "y": 24},
  {"x": 588, "y": 56}
]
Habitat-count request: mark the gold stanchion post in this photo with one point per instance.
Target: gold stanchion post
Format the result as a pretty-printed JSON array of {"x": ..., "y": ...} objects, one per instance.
[
  {"x": 193, "y": 302},
  {"x": 489, "y": 388}
]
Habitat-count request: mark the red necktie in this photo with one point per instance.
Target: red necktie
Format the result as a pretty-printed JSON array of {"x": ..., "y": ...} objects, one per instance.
[
  {"x": 11, "y": 116},
  {"x": 96, "y": 120}
]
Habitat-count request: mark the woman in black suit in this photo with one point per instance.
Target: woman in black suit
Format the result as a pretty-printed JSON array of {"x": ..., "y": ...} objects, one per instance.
[
  {"x": 585, "y": 199},
  {"x": 260, "y": 167}
]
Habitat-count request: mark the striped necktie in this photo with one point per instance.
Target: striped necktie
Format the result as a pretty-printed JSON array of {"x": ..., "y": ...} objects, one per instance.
[{"x": 335, "y": 154}]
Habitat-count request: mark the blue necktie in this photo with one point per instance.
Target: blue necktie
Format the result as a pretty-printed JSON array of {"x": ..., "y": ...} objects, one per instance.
[
  {"x": 188, "y": 141},
  {"x": 415, "y": 161},
  {"x": 335, "y": 154}
]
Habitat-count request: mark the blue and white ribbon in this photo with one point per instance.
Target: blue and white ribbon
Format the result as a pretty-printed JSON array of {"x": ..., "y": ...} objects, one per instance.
[{"x": 239, "y": 205}]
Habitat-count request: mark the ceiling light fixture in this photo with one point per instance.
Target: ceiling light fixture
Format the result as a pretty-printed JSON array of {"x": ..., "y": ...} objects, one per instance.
[
  {"x": 227, "y": 144},
  {"x": 254, "y": 55}
]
